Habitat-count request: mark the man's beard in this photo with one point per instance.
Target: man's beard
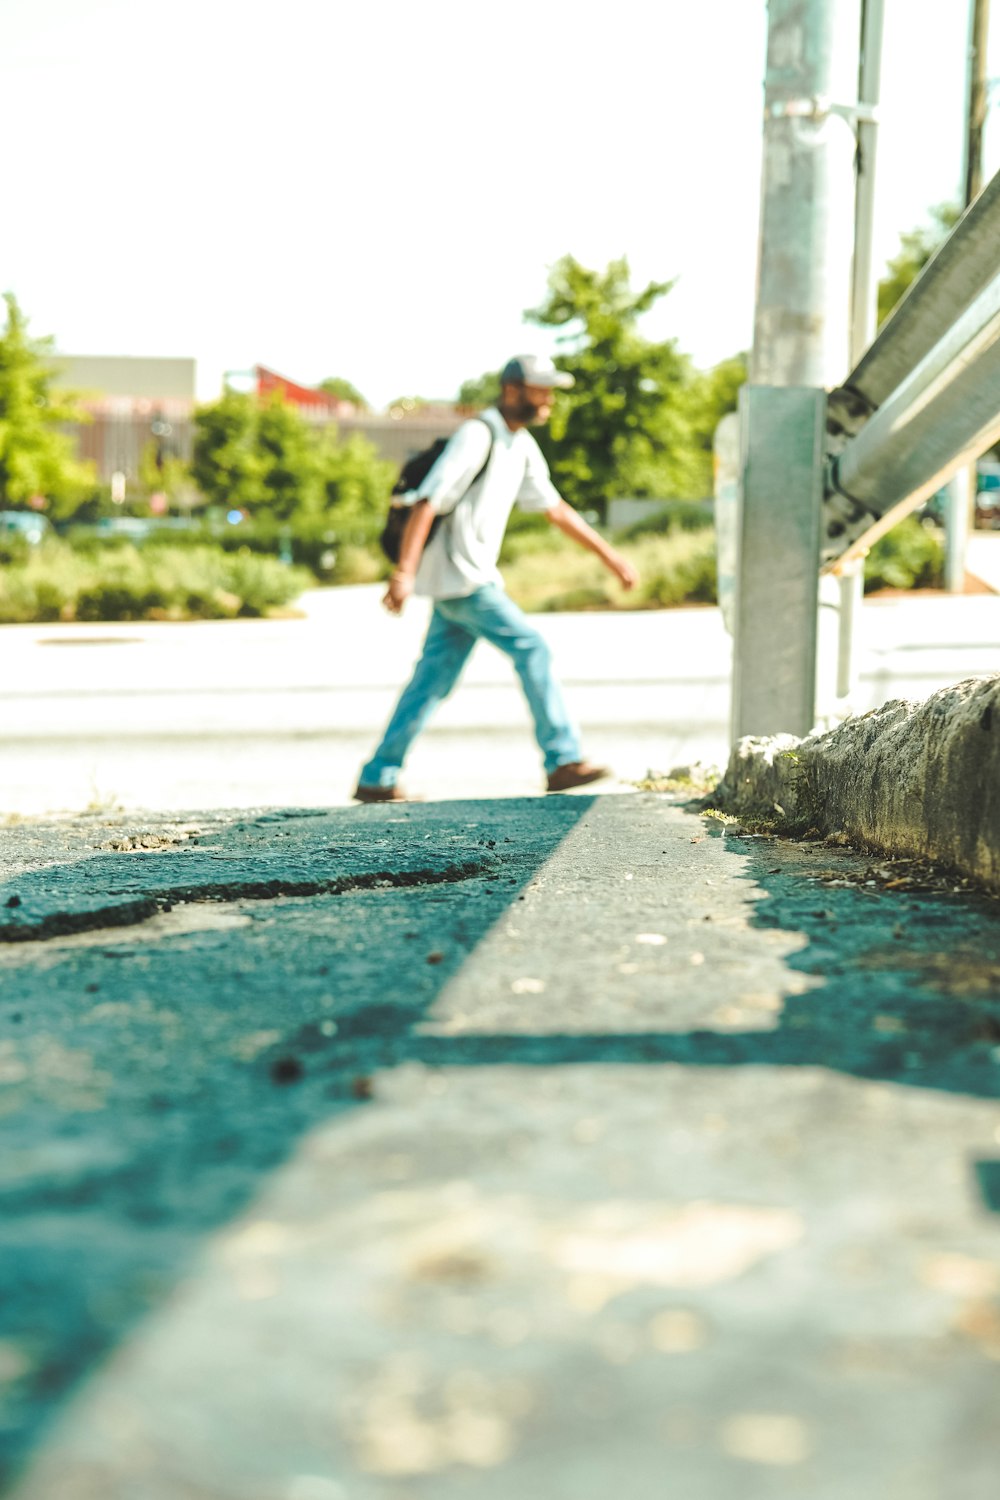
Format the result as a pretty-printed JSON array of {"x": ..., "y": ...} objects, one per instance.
[{"x": 525, "y": 411}]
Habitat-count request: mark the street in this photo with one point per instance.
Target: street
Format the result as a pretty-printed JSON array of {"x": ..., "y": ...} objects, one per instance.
[
  {"x": 507, "y": 1150},
  {"x": 272, "y": 713},
  {"x": 494, "y": 1146}
]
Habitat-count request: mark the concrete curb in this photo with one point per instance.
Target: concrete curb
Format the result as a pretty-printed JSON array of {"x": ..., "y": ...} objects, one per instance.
[{"x": 918, "y": 779}]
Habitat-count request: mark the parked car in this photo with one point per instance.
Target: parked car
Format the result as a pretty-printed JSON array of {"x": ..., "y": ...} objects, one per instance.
[
  {"x": 27, "y": 524},
  {"x": 139, "y": 528},
  {"x": 988, "y": 511},
  {"x": 988, "y": 495},
  {"x": 934, "y": 510},
  {"x": 134, "y": 528}
]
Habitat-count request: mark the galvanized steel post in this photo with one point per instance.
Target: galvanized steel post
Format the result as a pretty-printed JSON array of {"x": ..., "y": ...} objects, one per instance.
[
  {"x": 960, "y": 492},
  {"x": 807, "y": 220},
  {"x": 800, "y": 340},
  {"x": 864, "y": 291},
  {"x": 847, "y": 586},
  {"x": 977, "y": 104}
]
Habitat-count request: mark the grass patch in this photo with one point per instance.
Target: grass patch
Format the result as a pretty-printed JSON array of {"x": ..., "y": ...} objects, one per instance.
[{"x": 696, "y": 780}]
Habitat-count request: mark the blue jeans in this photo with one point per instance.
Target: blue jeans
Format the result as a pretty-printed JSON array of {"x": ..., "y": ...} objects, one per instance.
[{"x": 456, "y": 625}]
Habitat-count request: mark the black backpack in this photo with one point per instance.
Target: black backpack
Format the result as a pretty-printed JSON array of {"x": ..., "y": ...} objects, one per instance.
[{"x": 411, "y": 476}]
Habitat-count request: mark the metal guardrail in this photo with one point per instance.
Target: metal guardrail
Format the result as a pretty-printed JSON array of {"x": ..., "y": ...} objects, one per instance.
[
  {"x": 925, "y": 397},
  {"x": 943, "y": 415},
  {"x": 961, "y": 268}
]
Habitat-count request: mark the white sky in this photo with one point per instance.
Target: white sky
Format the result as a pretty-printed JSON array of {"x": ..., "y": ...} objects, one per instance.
[{"x": 251, "y": 182}]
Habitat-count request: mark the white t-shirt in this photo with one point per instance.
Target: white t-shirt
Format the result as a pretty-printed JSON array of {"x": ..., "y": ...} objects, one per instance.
[{"x": 462, "y": 555}]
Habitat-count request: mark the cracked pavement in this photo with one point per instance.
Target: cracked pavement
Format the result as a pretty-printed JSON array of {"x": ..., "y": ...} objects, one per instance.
[{"x": 493, "y": 1149}]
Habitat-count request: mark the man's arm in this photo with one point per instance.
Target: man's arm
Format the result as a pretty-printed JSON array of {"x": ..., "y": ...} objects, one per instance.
[
  {"x": 418, "y": 525},
  {"x": 444, "y": 486},
  {"x": 573, "y": 525}
]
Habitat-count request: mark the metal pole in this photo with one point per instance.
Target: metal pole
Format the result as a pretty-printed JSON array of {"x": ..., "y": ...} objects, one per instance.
[
  {"x": 800, "y": 341},
  {"x": 774, "y": 665},
  {"x": 806, "y": 239},
  {"x": 958, "y": 504},
  {"x": 864, "y": 300},
  {"x": 961, "y": 488},
  {"x": 978, "y": 98},
  {"x": 850, "y": 578}
]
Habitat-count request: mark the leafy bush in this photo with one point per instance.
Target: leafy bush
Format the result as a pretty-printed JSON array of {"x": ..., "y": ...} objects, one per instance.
[
  {"x": 673, "y": 570},
  {"x": 307, "y": 490},
  {"x": 119, "y": 582},
  {"x": 686, "y": 574},
  {"x": 13, "y": 548},
  {"x": 360, "y": 565},
  {"x": 332, "y": 555},
  {"x": 673, "y": 515},
  {"x": 545, "y": 571},
  {"x": 40, "y": 585},
  {"x": 910, "y": 556},
  {"x": 529, "y": 535}
]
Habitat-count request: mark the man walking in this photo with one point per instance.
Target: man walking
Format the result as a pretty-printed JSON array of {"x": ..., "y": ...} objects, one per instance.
[{"x": 490, "y": 464}]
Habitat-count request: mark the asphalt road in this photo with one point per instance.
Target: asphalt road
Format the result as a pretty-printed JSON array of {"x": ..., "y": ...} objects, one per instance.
[
  {"x": 266, "y": 713},
  {"x": 509, "y": 1150},
  {"x": 476, "y": 1149}
]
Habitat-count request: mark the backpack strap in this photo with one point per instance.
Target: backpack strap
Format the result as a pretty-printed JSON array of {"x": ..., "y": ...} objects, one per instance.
[
  {"x": 474, "y": 480},
  {"x": 391, "y": 539},
  {"x": 482, "y": 467}
]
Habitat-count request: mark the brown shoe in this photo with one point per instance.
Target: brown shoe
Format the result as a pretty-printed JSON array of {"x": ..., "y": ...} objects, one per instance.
[
  {"x": 575, "y": 773},
  {"x": 364, "y": 793}
]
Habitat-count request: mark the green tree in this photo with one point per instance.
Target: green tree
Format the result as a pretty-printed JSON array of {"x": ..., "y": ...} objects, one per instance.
[
  {"x": 714, "y": 393},
  {"x": 625, "y": 428},
  {"x": 36, "y": 458},
  {"x": 354, "y": 485},
  {"x": 290, "y": 473},
  {"x": 335, "y": 385},
  {"x": 916, "y": 248},
  {"x": 227, "y": 465},
  {"x": 164, "y": 473},
  {"x": 257, "y": 457},
  {"x": 481, "y": 390}
]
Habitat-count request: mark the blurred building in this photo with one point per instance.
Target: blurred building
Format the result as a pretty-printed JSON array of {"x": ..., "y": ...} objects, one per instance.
[
  {"x": 400, "y": 434},
  {"x": 396, "y": 435},
  {"x": 141, "y": 407},
  {"x": 315, "y": 405},
  {"x": 136, "y": 406}
]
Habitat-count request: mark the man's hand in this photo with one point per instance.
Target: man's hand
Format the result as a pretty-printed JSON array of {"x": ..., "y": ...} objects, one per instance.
[
  {"x": 627, "y": 575},
  {"x": 415, "y": 533},
  {"x": 399, "y": 590},
  {"x": 573, "y": 525}
]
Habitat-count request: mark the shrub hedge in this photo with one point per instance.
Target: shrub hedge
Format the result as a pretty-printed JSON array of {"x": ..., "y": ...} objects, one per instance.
[
  {"x": 192, "y": 578},
  {"x": 673, "y": 569},
  {"x": 120, "y": 582},
  {"x": 910, "y": 556}
]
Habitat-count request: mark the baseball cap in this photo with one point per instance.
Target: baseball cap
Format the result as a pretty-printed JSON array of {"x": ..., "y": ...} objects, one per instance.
[{"x": 534, "y": 369}]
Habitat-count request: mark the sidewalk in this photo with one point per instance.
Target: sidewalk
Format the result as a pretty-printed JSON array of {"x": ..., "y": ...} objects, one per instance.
[
  {"x": 254, "y": 712},
  {"x": 983, "y": 557},
  {"x": 525, "y": 1150}
]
